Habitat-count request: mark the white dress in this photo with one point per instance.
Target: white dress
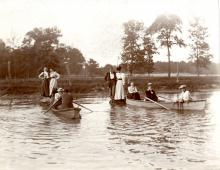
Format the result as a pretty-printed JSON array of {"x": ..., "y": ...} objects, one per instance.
[
  {"x": 119, "y": 89},
  {"x": 53, "y": 81}
]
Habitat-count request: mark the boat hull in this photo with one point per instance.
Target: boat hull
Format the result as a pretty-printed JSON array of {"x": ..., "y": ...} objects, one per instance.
[
  {"x": 193, "y": 105},
  {"x": 71, "y": 113}
]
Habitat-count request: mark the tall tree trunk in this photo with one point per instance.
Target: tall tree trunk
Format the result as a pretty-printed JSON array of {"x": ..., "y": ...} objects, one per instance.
[
  {"x": 168, "y": 55},
  {"x": 197, "y": 67}
]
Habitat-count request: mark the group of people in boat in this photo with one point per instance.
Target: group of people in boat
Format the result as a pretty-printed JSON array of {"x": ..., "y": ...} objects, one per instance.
[
  {"x": 60, "y": 98},
  {"x": 49, "y": 83},
  {"x": 116, "y": 82}
]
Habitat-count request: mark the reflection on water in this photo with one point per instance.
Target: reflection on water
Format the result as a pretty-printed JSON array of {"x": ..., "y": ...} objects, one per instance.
[{"x": 108, "y": 138}]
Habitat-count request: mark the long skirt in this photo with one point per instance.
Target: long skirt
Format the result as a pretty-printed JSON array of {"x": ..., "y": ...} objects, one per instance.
[
  {"x": 53, "y": 85},
  {"x": 119, "y": 90},
  {"x": 45, "y": 88}
]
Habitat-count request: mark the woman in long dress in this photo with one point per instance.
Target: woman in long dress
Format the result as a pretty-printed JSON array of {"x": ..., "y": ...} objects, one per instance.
[
  {"x": 54, "y": 76},
  {"x": 45, "y": 83},
  {"x": 119, "y": 89}
]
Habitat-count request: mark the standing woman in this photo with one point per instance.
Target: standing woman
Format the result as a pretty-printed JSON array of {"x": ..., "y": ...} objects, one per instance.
[
  {"x": 54, "y": 76},
  {"x": 45, "y": 83},
  {"x": 119, "y": 89}
]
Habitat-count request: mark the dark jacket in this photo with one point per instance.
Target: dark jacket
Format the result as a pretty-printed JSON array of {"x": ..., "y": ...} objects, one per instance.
[
  {"x": 110, "y": 81},
  {"x": 67, "y": 101},
  {"x": 151, "y": 95}
]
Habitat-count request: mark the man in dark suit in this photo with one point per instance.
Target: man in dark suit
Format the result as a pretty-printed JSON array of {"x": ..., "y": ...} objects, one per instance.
[
  {"x": 110, "y": 77},
  {"x": 67, "y": 100}
]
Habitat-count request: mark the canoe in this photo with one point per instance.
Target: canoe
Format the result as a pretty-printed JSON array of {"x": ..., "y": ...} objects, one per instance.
[
  {"x": 70, "y": 113},
  {"x": 192, "y": 105}
]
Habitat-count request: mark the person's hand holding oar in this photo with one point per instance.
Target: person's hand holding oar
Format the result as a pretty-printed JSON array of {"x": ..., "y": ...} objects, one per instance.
[
  {"x": 157, "y": 103},
  {"x": 83, "y": 106}
]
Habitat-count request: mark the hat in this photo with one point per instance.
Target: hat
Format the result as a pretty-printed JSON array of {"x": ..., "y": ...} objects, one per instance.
[
  {"x": 60, "y": 89},
  {"x": 183, "y": 86},
  {"x": 149, "y": 84}
]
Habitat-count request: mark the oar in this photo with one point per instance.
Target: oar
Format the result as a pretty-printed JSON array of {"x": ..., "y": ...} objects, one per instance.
[
  {"x": 83, "y": 106},
  {"x": 157, "y": 103},
  {"x": 165, "y": 98},
  {"x": 3, "y": 95},
  {"x": 51, "y": 106}
]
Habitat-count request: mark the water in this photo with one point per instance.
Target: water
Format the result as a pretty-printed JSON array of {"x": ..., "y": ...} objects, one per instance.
[{"x": 108, "y": 138}]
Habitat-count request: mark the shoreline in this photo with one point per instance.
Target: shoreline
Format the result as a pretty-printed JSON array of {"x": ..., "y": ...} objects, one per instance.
[{"x": 98, "y": 85}]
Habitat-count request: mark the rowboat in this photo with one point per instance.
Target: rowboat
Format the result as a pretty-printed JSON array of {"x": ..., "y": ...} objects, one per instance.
[
  {"x": 70, "y": 113},
  {"x": 192, "y": 105},
  {"x": 45, "y": 100}
]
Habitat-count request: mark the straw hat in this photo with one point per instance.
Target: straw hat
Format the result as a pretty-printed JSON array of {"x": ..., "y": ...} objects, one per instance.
[
  {"x": 60, "y": 90},
  {"x": 183, "y": 86},
  {"x": 149, "y": 84}
]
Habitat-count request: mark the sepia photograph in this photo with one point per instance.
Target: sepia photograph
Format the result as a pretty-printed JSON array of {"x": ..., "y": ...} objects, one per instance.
[{"x": 110, "y": 85}]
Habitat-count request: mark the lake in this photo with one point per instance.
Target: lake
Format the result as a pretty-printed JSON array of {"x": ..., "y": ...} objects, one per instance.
[{"x": 119, "y": 137}]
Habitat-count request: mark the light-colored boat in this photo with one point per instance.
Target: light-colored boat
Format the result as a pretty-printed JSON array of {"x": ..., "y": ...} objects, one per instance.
[
  {"x": 70, "y": 113},
  {"x": 192, "y": 105}
]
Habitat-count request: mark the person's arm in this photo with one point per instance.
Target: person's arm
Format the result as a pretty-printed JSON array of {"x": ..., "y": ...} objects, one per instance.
[
  {"x": 40, "y": 75},
  {"x": 57, "y": 75},
  {"x": 129, "y": 90},
  {"x": 106, "y": 77}
]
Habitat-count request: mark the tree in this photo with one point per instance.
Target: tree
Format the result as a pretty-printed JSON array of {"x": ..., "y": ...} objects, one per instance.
[
  {"x": 43, "y": 43},
  {"x": 149, "y": 50},
  {"x": 199, "y": 47},
  {"x": 4, "y": 59},
  {"x": 132, "y": 53},
  {"x": 92, "y": 67},
  {"x": 167, "y": 28},
  {"x": 72, "y": 58}
]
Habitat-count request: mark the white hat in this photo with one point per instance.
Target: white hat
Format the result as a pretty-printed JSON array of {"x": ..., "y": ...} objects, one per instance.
[
  {"x": 149, "y": 84},
  {"x": 183, "y": 86},
  {"x": 60, "y": 89}
]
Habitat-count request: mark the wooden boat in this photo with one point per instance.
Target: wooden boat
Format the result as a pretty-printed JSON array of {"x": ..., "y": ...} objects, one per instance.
[
  {"x": 45, "y": 100},
  {"x": 70, "y": 113},
  {"x": 192, "y": 105}
]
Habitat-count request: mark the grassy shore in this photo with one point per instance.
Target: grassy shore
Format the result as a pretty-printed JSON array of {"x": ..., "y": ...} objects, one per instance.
[{"x": 97, "y": 84}]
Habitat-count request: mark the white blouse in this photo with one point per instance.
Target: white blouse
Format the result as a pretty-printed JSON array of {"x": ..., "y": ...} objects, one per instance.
[
  {"x": 55, "y": 75},
  {"x": 132, "y": 89},
  {"x": 120, "y": 76},
  {"x": 44, "y": 75}
]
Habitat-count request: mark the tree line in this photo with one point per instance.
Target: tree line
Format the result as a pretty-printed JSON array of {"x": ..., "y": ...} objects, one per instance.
[
  {"x": 140, "y": 43},
  {"x": 41, "y": 48}
]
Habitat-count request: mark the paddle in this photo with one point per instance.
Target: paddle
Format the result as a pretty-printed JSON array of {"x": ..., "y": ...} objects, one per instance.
[
  {"x": 157, "y": 103},
  {"x": 165, "y": 98},
  {"x": 83, "y": 106}
]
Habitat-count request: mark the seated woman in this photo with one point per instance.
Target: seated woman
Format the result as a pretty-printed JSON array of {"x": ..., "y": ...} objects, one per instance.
[
  {"x": 67, "y": 100},
  {"x": 132, "y": 92},
  {"x": 150, "y": 93}
]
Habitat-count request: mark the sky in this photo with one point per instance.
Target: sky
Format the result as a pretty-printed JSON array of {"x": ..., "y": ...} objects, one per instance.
[{"x": 95, "y": 27}]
